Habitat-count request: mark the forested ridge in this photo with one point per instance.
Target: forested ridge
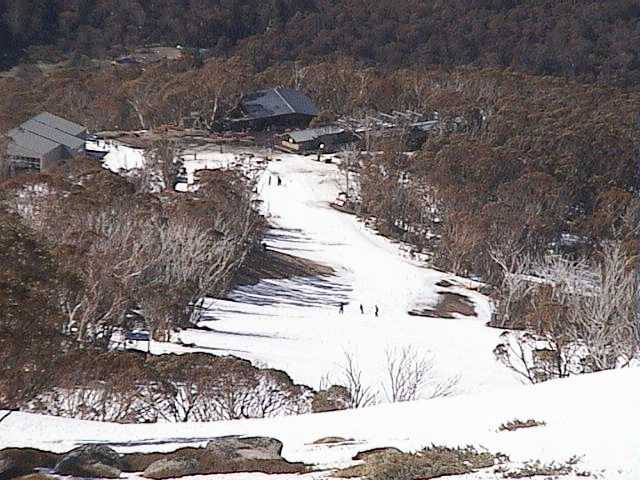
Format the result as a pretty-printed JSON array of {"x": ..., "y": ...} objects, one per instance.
[{"x": 593, "y": 40}]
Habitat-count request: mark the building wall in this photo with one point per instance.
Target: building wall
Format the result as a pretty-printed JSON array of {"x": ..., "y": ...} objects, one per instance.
[
  {"x": 277, "y": 122},
  {"x": 290, "y": 145},
  {"x": 53, "y": 158},
  {"x": 22, "y": 164}
]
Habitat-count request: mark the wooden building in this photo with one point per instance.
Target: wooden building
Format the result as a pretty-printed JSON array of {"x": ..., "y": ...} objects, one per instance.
[{"x": 312, "y": 140}]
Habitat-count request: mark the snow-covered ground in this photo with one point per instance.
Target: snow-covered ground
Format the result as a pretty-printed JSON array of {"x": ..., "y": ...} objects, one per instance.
[
  {"x": 120, "y": 157},
  {"x": 595, "y": 417},
  {"x": 295, "y": 325}
]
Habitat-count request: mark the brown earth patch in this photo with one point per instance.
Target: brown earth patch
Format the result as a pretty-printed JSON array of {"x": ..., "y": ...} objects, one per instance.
[{"x": 449, "y": 304}]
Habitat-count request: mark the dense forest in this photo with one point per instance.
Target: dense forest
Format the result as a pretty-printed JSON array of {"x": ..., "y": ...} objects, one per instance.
[{"x": 592, "y": 40}]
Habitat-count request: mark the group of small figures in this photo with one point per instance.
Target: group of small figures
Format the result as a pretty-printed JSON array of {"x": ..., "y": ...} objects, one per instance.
[
  {"x": 278, "y": 180},
  {"x": 376, "y": 310}
]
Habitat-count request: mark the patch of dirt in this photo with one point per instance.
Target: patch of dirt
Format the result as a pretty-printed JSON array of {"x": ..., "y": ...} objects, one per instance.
[
  {"x": 273, "y": 265},
  {"x": 449, "y": 305},
  {"x": 332, "y": 440}
]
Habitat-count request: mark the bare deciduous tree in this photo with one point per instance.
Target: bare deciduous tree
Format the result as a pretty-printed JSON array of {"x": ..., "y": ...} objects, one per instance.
[
  {"x": 515, "y": 288},
  {"x": 406, "y": 375},
  {"x": 583, "y": 317},
  {"x": 604, "y": 317},
  {"x": 411, "y": 376},
  {"x": 360, "y": 394}
]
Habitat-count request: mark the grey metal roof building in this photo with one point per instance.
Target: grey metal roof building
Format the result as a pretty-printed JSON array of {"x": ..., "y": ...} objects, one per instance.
[
  {"x": 310, "y": 134},
  {"x": 62, "y": 124},
  {"x": 24, "y": 142},
  {"x": 74, "y": 144},
  {"x": 278, "y": 101},
  {"x": 44, "y": 141}
]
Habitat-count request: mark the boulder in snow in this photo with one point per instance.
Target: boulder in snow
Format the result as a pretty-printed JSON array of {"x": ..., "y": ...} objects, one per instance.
[
  {"x": 17, "y": 462},
  {"x": 332, "y": 440},
  {"x": 97, "y": 461},
  {"x": 172, "y": 468},
  {"x": 245, "y": 448},
  {"x": 37, "y": 476},
  {"x": 364, "y": 455}
]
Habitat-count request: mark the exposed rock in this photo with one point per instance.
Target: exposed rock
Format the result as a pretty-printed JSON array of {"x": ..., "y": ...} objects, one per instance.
[
  {"x": 99, "y": 470},
  {"x": 246, "y": 448},
  {"x": 221, "y": 455},
  {"x": 17, "y": 462},
  {"x": 172, "y": 468},
  {"x": 331, "y": 440},
  {"x": 139, "y": 462},
  {"x": 246, "y": 454},
  {"x": 98, "y": 461},
  {"x": 37, "y": 476},
  {"x": 376, "y": 452}
]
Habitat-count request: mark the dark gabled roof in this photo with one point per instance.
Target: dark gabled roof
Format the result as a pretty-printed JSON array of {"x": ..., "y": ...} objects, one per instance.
[
  {"x": 59, "y": 123},
  {"x": 277, "y": 101}
]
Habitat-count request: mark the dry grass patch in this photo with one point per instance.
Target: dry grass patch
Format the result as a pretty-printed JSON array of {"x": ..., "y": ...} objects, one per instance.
[
  {"x": 432, "y": 462},
  {"x": 536, "y": 469}
]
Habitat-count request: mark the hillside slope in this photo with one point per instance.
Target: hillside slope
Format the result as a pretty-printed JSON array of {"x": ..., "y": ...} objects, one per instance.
[
  {"x": 595, "y": 417},
  {"x": 294, "y": 324}
]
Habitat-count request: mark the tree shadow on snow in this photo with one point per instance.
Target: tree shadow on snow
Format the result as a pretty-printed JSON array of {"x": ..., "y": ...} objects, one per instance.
[{"x": 299, "y": 292}]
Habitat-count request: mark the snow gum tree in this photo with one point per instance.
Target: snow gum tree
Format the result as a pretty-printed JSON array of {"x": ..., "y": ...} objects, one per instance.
[
  {"x": 578, "y": 316},
  {"x": 30, "y": 322},
  {"x": 126, "y": 251}
]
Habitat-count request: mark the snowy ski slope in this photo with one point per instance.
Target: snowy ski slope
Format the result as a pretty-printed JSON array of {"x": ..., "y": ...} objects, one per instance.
[{"x": 294, "y": 325}]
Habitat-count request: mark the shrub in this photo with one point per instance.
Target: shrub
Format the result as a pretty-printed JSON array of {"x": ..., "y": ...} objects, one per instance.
[
  {"x": 537, "y": 468},
  {"x": 432, "y": 462},
  {"x": 518, "y": 424}
]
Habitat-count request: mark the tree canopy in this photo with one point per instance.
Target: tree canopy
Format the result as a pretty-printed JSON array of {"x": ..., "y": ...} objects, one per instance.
[{"x": 592, "y": 40}]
